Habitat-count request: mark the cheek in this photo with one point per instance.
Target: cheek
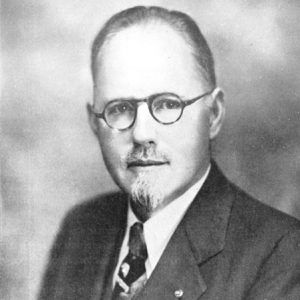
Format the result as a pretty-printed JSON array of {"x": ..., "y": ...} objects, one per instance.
[
  {"x": 111, "y": 148},
  {"x": 191, "y": 140},
  {"x": 190, "y": 152}
]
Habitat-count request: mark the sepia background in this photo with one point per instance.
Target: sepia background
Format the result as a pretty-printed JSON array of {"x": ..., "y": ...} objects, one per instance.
[{"x": 50, "y": 159}]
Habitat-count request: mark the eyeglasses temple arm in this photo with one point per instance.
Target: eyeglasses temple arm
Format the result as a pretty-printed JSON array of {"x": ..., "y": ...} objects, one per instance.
[
  {"x": 189, "y": 102},
  {"x": 97, "y": 114}
]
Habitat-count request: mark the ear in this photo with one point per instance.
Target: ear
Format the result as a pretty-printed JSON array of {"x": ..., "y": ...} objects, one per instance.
[
  {"x": 93, "y": 120},
  {"x": 217, "y": 112}
]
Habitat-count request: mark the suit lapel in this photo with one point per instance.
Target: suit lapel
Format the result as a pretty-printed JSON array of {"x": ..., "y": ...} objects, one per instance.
[
  {"x": 109, "y": 244},
  {"x": 206, "y": 221},
  {"x": 176, "y": 270},
  {"x": 199, "y": 237}
]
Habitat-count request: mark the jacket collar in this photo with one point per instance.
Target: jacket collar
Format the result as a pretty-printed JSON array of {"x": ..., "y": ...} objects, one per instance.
[{"x": 206, "y": 220}]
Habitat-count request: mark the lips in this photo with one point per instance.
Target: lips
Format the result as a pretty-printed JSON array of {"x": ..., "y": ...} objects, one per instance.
[{"x": 145, "y": 163}]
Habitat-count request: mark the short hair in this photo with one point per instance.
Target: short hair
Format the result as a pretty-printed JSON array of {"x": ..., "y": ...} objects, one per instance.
[{"x": 177, "y": 20}]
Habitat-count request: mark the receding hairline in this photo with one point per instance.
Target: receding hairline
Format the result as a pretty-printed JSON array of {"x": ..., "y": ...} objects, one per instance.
[{"x": 180, "y": 22}]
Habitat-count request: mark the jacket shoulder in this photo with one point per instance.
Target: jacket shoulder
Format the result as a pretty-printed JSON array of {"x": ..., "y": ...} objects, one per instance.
[
  {"x": 101, "y": 210},
  {"x": 83, "y": 236},
  {"x": 256, "y": 216}
]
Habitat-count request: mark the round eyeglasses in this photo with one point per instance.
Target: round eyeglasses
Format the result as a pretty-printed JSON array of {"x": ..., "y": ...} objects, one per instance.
[{"x": 165, "y": 108}]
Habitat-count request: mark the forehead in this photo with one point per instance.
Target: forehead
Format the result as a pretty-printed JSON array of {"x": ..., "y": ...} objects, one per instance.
[{"x": 146, "y": 59}]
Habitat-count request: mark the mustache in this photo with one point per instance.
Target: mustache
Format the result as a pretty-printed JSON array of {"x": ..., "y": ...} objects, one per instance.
[{"x": 140, "y": 155}]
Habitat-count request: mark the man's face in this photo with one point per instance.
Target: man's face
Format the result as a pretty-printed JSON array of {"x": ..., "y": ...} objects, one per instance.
[{"x": 155, "y": 163}]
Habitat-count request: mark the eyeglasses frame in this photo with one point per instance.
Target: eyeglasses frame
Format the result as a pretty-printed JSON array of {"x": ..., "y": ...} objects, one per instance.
[{"x": 149, "y": 100}]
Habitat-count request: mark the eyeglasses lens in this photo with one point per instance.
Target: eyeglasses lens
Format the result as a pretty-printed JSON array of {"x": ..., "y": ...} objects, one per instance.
[
  {"x": 167, "y": 109},
  {"x": 120, "y": 114}
]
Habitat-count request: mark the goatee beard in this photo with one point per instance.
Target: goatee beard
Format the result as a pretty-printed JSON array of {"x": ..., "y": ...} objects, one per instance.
[{"x": 145, "y": 193}]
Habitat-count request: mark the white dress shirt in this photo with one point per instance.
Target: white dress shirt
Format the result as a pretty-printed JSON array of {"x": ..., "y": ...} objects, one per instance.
[{"x": 160, "y": 227}]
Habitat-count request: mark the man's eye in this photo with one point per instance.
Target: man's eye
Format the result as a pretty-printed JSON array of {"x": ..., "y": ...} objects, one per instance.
[
  {"x": 119, "y": 108},
  {"x": 167, "y": 104}
]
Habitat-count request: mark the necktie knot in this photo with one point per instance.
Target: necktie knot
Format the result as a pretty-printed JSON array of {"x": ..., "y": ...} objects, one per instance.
[{"x": 137, "y": 245}]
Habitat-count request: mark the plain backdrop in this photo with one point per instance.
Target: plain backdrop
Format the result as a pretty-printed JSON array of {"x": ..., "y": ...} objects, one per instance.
[{"x": 50, "y": 160}]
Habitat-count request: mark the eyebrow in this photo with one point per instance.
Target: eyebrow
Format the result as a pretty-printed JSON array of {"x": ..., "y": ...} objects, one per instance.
[{"x": 142, "y": 98}]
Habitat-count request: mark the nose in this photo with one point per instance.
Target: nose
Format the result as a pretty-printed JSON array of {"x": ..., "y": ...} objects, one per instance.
[{"x": 144, "y": 127}]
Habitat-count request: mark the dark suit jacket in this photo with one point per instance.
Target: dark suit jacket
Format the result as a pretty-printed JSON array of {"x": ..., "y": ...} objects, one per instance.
[{"x": 228, "y": 246}]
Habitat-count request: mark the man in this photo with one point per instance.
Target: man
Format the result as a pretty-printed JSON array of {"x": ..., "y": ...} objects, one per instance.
[{"x": 179, "y": 228}]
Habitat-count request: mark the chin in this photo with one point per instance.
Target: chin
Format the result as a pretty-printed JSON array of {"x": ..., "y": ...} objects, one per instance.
[{"x": 148, "y": 191}]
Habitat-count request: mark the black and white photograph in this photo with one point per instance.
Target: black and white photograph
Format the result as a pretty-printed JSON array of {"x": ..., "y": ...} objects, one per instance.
[{"x": 150, "y": 150}]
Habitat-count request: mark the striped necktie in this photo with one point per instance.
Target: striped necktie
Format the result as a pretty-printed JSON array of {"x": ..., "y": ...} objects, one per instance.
[{"x": 132, "y": 273}]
